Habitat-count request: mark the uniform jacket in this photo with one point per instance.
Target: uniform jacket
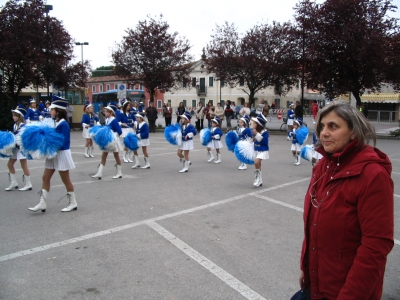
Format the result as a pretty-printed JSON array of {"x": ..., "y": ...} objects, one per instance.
[
  {"x": 290, "y": 114},
  {"x": 142, "y": 130},
  {"x": 114, "y": 125},
  {"x": 348, "y": 237},
  {"x": 244, "y": 133},
  {"x": 216, "y": 133},
  {"x": 63, "y": 128},
  {"x": 261, "y": 141},
  {"x": 89, "y": 120},
  {"x": 127, "y": 119},
  {"x": 33, "y": 114},
  {"x": 189, "y": 128}
]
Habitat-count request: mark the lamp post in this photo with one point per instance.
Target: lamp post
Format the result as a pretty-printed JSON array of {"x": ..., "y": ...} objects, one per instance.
[
  {"x": 47, "y": 8},
  {"x": 82, "y": 44}
]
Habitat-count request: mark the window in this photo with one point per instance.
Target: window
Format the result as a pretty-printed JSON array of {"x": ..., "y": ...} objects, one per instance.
[
  {"x": 203, "y": 100},
  {"x": 184, "y": 83},
  {"x": 100, "y": 87},
  {"x": 222, "y": 103},
  {"x": 278, "y": 103},
  {"x": 184, "y": 103},
  {"x": 169, "y": 100},
  {"x": 241, "y": 81},
  {"x": 193, "y": 81},
  {"x": 193, "y": 103},
  {"x": 93, "y": 88},
  {"x": 141, "y": 87},
  {"x": 159, "y": 104},
  {"x": 210, "y": 81},
  {"x": 108, "y": 87},
  {"x": 116, "y": 86}
]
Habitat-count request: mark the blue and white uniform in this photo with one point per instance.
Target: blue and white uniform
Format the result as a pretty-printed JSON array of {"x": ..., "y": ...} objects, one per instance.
[
  {"x": 33, "y": 115},
  {"x": 216, "y": 135},
  {"x": 63, "y": 160},
  {"x": 244, "y": 133},
  {"x": 261, "y": 144},
  {"x": 17, "y": 154},
  {"x": 295, "y": 145},
  {"x": 88, "y": 120},
  {"x": 113, "y": 124},
  {"x": 290, "y": 117},
  {"x": 187, "y": 142},
  {"x": 128, "y": 120},
  {"x": 143, "y": 132},
  {"x": 46, "y": 113}
]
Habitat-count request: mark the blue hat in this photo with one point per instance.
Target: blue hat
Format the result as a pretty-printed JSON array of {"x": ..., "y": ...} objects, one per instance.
[
  {"x": 186, "y": 115},
  {"x": 260, "y": 120},
  {"x": 291, "y": 104},
  {"x": 59, "y": 102},
  {"x": 124, "y": 102},
  {"x": 217, "y": 120},
  {"x": 20, "y": 110},
  {"x": 245, "y": 119},
  {"x": 140, "y": 114},
  {"x": 299, "y": 121},
  {"x": 112, "y": 106},
  {"x": 32, "y": 100},
  {"x": 88, "y": 104},
  {"x": 47, "y": 102}
]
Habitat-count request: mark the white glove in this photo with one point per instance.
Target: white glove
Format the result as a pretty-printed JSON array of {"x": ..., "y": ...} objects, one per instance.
[
  {"x": 40, "y": 118},
  {"x": 138, "y": 136}
]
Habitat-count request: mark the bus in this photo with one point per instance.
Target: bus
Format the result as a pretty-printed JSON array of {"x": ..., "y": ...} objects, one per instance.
[{"x": 103, "y": 98}]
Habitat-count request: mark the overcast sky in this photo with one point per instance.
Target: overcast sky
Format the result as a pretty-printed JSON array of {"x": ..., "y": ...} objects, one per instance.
[{"x": 103, "y": 23}]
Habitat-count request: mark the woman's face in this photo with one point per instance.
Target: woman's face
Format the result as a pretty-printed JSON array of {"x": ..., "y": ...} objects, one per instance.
[
  {"x": 246, "y": 104},
  {"x": 90, "y": 109},
  {"x": 241, "y": 123},
  {"x": 335, "y": 133},
  {"x": 253, "y": 124},
  {"x": 15, "y": 117},
  {"x": 33, "y": 105},
  {"x": 218, "y": 104},
  {"x": 200, "y": 103},
  {"x": 168, "y": 104},
  {"x": 107, "y": 113},
  {"x": 53, "y": 113}
]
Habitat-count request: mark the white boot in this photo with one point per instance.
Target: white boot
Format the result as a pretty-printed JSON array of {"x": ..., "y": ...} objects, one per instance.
[
  {"x": 137, "y": 162},
  {"x": 91, "y": 151},
  {"x": 218, "y": 159},
  {"x": 13, "y": 180},
  {"x": 128, "y": 156},
  {"x": 257, "y": 178},
  {"x": 211, "y": 156},
  {"x": 297, "y": 160},
  {"x": 185, "y": 167},
  {"x": 119, "y": 173},
  {"x": 72, "y": 205},
  {"x": 124, "y": 158},
  {"x": 147, "y": 165},
  {"x": 87, "y": 152},
  {"x": 28, "y": 185},
  {"x": 99, "y": 173},
  {"x": 243, "y": 167},
  {"x": 42, "y": 202}
]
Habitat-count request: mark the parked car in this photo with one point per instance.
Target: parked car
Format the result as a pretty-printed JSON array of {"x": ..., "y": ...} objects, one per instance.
[{"x": 237, "y": 110}]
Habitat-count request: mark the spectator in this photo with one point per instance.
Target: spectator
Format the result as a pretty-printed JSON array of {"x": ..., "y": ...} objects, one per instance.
[
  {"x": 245, "y": 110},
  {"x": 273, "y": 105},
  {"x": 102, "y": 118},
  {"x": 229, "y": 113},
  {"x": 180, "y": 111},
  {"x": 152, "y": 115},
  {"x": 168, "y": 114},
  {"x": 70, "y": 111},
  {"x": 365, "y": 110},
  {"x": 209, "y": 113},
  {"x": 260, "y": 107},
  {"x": 298, "y": 111},
  {"x": 219, "y": 111},
  {"x": 314, "y": 110},
  {"x": 199, "y": 116}
]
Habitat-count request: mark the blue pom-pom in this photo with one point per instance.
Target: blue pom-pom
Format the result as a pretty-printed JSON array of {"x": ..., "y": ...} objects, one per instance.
[
  {"x": 205, "y": 136},
  {"x": 302, "y": 135},
  {"x": 244, "y": 152},
  {"x": 93, "y": 130},
  {"x": 173, "y": 134},
  {"x": 307, "y": 153},
  {"x": 7, "y": 143},
  {"x": 231, "y": 140},
  {"x": 104, "y": 138},
  {"x": 41, "y": 141},
  {"x": 131, "y": 141}
]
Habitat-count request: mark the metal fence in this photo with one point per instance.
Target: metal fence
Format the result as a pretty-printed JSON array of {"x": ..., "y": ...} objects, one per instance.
[{"x": 383, "y": 116}]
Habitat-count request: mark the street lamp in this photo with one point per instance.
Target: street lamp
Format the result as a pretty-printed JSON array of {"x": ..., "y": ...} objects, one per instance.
[
  {"x": 47, "y": 8},
  {"x": 82, "y": 44}
]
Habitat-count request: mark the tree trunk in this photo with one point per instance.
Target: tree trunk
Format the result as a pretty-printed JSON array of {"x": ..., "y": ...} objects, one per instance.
[
  {"x": 251, "y": 98},
  {"x": 356, "y": 95}
]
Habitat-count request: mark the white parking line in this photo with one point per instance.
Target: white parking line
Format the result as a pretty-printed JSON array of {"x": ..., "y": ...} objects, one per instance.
[
  {"x": 116, "y": 229},
  {"x": 233, "y": 282}
]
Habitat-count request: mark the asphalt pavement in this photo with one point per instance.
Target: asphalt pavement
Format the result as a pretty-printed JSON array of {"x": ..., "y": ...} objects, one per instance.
[{"x": 161, "y": 234}]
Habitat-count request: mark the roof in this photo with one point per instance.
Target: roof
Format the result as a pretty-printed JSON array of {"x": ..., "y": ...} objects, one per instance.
[{"x": 106, "y": 79}]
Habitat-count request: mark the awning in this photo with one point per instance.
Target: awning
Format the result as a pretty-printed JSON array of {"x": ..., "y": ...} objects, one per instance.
[{"x": 381, "y": 98}]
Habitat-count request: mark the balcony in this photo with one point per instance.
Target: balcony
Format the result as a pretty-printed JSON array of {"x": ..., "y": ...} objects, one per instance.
[{"x": 201, "y": 90}]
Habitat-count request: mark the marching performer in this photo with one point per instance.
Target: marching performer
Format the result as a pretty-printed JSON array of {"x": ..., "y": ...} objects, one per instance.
[
  {"x": 126, "y": 126},
  {"x": 62, "y": 162},
  {"x": 260, "y": 137},
  {"x": 188, "y": 132},
  {"x": 299, "y": 135},
  {"x": 215, "y": 143},
  {"x": 290, "y": 119},
  {"x": 46, "y": 110},
  {"x": 33, "y": 113},
  {"x": 244, "y": 132},
  {"x": 89, "y": 119},
  {"x": 113, "y": 125},
  {"x": 142, "y": 132},
  {"x": 18, "y": 116}
]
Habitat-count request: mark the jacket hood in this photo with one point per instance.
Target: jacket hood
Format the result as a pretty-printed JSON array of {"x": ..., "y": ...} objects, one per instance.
[{"x": 355, "y": 160}]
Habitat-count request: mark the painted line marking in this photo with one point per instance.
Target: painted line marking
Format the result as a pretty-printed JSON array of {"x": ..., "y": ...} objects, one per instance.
[
  {"x": 397, "y": 195},
  {"x": 128, "y": 226},
  {"x": 398, "y": 173},
  {"x": 397, "y": 242},
  {"x": 231, "y": 281},
  {"x": 280, "y": 203}
]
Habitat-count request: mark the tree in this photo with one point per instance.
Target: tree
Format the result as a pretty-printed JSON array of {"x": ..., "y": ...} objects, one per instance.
[
  {"x": 152, "y": 56},
  {"x": 73, "y": 75},
  {"x": 351, "y": 46},
  {"x": 33, "y": 48},
  {"x": 265, "y": 56}
]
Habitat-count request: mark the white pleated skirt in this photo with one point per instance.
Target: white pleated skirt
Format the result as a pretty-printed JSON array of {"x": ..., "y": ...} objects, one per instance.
[
  {"x": 17, "y": 154},
  {"x": 187, "y": 145},
  {"x": 118, "y": 147},
  {"x": 125, "y": 131},
  {"x": 144, "y": 142},
  {"x": 262, "y": 154},
  {"x": 61, "y": 162},
  {"x": 215, "y": 144},
  {"x": 295, "y": 147},
  {"x": 85, "y": 133},
  {"x": 290, "y": 122}
]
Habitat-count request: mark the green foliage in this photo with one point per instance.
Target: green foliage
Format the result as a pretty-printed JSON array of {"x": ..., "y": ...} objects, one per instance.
[
  {"x": 6, "y": 105},
  {"x": 395, "y": 133}
]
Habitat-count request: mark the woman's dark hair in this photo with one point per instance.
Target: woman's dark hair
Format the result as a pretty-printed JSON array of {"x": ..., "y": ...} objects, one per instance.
[
  {"x": 259, "y": 127},
  {"x": 124, "y": 107},
  {"x": 61, "y": 114},
  {"x": 357, "y": 123}
]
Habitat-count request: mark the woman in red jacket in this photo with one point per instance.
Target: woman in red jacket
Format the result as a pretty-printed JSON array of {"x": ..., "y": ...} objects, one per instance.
[{"x": 348, "y": 210}]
